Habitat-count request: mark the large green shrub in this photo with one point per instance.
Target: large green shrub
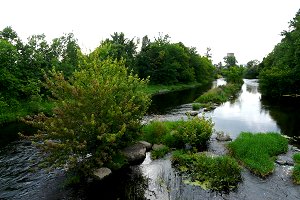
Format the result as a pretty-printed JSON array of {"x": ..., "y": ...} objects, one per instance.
[{"x": 98, "y": 111}]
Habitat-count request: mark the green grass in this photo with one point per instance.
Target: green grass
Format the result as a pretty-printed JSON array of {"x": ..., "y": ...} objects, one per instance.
[
  {"x": 220, "y": 94},
  {"x": 22, "y": 109},
  {"x": 258, "y": 151},
  {"x": 156, "y": 89},
  {"x": 296, "y": 170},
  {"x": 216, "y": 173},
  {"x": 196, "y": 106}
]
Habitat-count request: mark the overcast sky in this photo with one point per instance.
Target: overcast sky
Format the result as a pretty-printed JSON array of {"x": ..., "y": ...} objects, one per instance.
[{"x": 248, "y": 28}]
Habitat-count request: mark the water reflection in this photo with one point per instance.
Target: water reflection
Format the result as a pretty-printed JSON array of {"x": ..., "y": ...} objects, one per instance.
[{"x": 245, "y": 113}]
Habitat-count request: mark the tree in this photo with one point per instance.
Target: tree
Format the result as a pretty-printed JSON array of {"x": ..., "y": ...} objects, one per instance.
[
  {"x": 98, "y": 112},
  {"x": 280, "y": 70},
  {"x": 230, "y": 60},
  {"x": 252, "y": 69}
]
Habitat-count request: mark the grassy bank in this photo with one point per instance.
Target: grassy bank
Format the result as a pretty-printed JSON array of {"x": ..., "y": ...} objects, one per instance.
[
  {"x": 296, "y": 170},
  {"x": 219, "y": 94},
  {"x": 258, "y": 152},
  {"x": 156, "y": 89},
  {"x": 21, "y": 109}
]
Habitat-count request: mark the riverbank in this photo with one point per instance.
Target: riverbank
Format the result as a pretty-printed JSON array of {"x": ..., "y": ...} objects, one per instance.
[
  {"x": 160, "y": 89},
  {"x": 10, "y": 114}
]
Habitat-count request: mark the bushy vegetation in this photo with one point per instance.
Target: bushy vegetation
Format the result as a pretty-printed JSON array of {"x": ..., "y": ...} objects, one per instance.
[
  {"x": 216, "y": 173},
  {"x": 258, "y": 151},
  {"x": 175, "y": 134},
  {"x": 160, "y": 152},
  {"x": 220, "y": 94},
  {"x": 170, "y": 63},
  {"x": 296, "y": 170},
  {"x": 280, "y": 70},
  {"x": 98, "y": 111},
  {"x": 196, "y": 106}
]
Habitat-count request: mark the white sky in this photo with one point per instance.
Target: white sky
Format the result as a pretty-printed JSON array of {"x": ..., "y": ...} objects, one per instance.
[{"x": 248, "y": 28}]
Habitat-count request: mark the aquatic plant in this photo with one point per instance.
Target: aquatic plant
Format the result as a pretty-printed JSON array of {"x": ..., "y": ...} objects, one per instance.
[{"x": 221, "y": 173}]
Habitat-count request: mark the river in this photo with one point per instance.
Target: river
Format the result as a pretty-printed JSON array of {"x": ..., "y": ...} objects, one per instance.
[{"x": 20, "y": 177}]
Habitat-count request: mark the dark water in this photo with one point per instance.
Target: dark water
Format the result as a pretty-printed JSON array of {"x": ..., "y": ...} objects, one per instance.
[{"x": 20, "y": 177}]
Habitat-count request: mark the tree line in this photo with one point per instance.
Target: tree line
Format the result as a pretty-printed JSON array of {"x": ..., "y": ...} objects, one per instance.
[{"x": 23, "y": 64}]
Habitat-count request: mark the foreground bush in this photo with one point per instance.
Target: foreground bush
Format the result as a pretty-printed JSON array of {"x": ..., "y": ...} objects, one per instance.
[
  {"x": 98, "y": 111},
  {"x": 296, "y": 170},
  {"x": 195, "y": 132},
  {"x": 216, "y": 173},
  {"x": 257, "y": 151}
]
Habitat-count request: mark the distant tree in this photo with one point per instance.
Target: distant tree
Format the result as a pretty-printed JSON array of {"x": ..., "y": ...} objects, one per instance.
[
  {"x": 252, "y": 69},
  {"x": 230, "y": 61}
]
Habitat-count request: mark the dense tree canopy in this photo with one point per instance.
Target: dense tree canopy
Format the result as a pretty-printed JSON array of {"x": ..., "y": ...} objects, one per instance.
[
  {"x": 168, "y": 63},
  {"x": 280, "y": 70}
]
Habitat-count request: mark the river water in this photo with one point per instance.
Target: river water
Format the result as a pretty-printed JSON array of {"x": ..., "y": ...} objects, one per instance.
[{"x": 20, "y": 177}]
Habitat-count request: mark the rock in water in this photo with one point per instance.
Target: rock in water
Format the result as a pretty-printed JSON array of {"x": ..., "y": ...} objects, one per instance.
[
  {"x": 135, "y": 154},
  {"x": 101, "y": 173},
  {"x": 146, "y": 144}
]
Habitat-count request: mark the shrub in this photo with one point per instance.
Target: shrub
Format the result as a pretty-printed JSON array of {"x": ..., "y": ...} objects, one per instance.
[
  {"x": 195, "y": 132},
  {"x": 257, "y": 151},
  {"x": 217, "y": 173},
  {"x": 98, "y": 111},
  {"x": 196, "y": 106},
  {"x": 159, "y": 153},
  {"x": 296, "y": 170}
]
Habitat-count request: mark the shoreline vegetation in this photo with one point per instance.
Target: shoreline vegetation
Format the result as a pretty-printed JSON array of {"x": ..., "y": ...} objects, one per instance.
[{"x": 38, "y": 105}]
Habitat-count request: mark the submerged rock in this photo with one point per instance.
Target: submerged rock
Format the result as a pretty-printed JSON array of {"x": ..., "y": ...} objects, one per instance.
[
  {"x": 221, "y": 136},
  {"x": 285, "y": 160},
  {"x": 135, "y": 154},
  {"x": 101, "y": 173}
]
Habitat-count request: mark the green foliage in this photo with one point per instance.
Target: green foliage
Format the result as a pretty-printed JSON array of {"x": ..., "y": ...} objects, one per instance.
[
  {"x": 252, "y": 70},
  {"x": 216, "y": 173},
  {"x": 196, "y": 106},
  {"x": 280, "y": 70},
  {"x": 234, "y": 74},
  {"x": 230, "y": 61},
  {"x": 169, "y": 63},
  {"x": 220, "y": 94},
  {"x": 296, "y": 158},
  {"x": 159, "y": 153},
  {"x": 98, "y": 111},
  {"x": 257, "y": 151},
  {"x": 296, "y": 170},
  {"x": 195, "y": 132}
]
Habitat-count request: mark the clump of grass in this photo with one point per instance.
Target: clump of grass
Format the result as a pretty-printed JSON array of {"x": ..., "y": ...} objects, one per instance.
[
  {"x": 220, "y": 94},
  {"x": 175, "y": 134},
  {"x": 159, "y": 153},
  {"x": 296, "y": 170},
  {"x": 258, "y": 151},
  {"x": 196, "y": 106},
  {"x": 217, "y": 173}
]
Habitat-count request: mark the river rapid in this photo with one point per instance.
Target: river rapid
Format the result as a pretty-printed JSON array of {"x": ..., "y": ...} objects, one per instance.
[{"x": 20, "y": 177}]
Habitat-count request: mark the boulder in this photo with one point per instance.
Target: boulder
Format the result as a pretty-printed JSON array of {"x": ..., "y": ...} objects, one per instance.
[
  {"x": 135, "y": 154},
  {"x": 146, "y": 144},
  {"x": 221, "y": 136},
  {"x": 100, "y": 173}
]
